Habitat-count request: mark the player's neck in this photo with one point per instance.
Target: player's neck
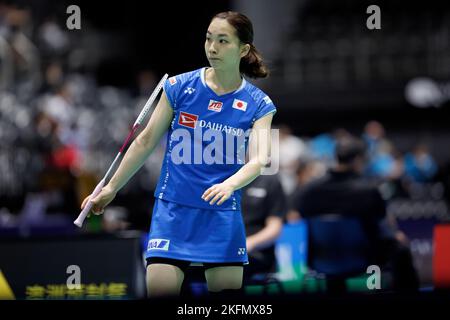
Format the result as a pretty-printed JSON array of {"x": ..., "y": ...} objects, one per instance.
[{"x": 223, "y": 81}]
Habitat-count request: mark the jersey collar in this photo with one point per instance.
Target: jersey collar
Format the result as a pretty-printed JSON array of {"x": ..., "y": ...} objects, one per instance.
[{"x": 202, "y": 77}]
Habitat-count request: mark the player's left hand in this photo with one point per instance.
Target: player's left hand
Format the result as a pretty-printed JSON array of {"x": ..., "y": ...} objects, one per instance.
[{"x": 218, "y": 193}]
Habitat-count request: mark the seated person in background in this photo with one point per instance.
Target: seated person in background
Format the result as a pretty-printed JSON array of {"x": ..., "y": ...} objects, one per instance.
[
  {"x": 263, "y": 209},
  {"x": 343, "y": 191},
  {"x": 420, "y": 165},
  {"x": 383, "y": 160},
  {"x": 308, "y": 171}
]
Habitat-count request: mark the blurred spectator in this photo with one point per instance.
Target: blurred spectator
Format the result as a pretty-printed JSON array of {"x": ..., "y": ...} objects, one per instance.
[
  {"x": 308, "y": 170},
  {"x": 384, "y": 161},
  {"x": 263, "y": 208},
  {"x": 322, "y": 146},
  {"x": 16, "y": 30},
  {"x": 374, "y": 135},
  {"x": 53, "y": 40},
  {"x": 419, "y": 164},
  {"x": 49, "y": 200},
  {"x": 343, "y": 191},
  {"x": 115, "y": 219},
  {"x": 292, "y": 150},
  {"x": 60, "y": 107},
  {"x": 61, "y": 162},
  {"x": 6, "y": 53},
  {"x": 53, "y": 77}
]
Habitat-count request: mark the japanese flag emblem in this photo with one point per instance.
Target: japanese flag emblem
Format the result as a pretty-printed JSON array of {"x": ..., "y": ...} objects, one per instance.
[{"x": 239, "y": 104}]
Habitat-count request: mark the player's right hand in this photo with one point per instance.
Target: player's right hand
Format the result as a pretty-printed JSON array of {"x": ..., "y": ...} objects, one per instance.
[{"x": 105, "y": 196}]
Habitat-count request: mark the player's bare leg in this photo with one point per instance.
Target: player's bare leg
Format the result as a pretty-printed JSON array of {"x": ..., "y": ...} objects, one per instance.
[
  {"x": 224, "y": 278},
  {"x": 164, "y": 280}
]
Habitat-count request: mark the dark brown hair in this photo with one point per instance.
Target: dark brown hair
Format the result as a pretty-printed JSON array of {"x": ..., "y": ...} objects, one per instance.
[
  {"x": 348, "y": 149},
  {"x": 252, "y": 64}
]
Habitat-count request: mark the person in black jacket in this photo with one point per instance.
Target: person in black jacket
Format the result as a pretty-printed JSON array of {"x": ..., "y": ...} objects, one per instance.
[{"x": 264, "y": 209}]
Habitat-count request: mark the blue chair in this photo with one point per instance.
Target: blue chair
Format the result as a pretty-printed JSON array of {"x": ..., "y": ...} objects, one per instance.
[{"x": 338, "y": 247}]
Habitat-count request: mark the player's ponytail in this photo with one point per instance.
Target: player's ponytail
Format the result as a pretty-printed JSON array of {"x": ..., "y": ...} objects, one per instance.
[{"x": 252, "y": 64}]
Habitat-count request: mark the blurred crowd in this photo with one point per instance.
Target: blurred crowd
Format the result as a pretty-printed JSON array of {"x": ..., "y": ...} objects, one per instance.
[
  {"x": 59, "y": 129},
  {"x": 303, "y": 159}
]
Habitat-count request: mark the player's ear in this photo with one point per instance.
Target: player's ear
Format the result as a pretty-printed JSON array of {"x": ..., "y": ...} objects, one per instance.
[{"x": 245, "y": 49}]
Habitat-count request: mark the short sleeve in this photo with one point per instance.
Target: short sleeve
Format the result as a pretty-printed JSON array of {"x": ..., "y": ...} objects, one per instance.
[
  {"x": 265, "y": 107},
  {"x": 172, "y": 88}
]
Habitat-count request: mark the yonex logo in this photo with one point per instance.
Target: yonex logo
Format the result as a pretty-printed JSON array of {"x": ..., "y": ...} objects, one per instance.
[
  {"x": 187, "y": 120},
  {"x": 215, "y": 105},
  {"x": 241, "y": 251},
  {"x": 189, "y": 90},
  {"x": 158, "y": 244}
]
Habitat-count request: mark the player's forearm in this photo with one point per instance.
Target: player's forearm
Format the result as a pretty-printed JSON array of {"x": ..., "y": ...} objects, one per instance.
[
  {"x": 132, "y": 161},
  {"x": 245, "y": 175},
  {"x": 259, "y": 151},
  {"x": 264, "y": 238}
]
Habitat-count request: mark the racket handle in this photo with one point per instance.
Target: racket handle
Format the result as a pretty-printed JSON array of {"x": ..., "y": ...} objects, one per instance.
[{"x": 79, "y": 221}]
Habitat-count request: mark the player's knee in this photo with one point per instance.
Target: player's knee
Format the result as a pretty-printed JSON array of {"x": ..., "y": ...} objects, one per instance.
[
  {"x": 158, "y": 288},
  {"x": 224, "y": 283},
  {"x": 216, "y": 287}
]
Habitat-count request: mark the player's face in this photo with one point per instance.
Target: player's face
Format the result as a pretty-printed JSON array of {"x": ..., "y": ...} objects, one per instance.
[{"x": 222, "y": 46}]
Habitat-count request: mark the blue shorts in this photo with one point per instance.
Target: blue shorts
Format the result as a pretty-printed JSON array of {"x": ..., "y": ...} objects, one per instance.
[{"x": 197, "y": 235}]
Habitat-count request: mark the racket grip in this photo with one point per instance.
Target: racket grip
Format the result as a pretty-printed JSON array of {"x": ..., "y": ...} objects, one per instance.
[{"x": 79, "y": 221}]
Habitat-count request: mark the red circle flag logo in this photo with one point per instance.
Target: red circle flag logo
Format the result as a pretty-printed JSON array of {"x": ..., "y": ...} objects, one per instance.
[
  {"x": 239, "y": 104},
  {"x": 172, "y": 80},
  {"x": 187, "y": 119}
]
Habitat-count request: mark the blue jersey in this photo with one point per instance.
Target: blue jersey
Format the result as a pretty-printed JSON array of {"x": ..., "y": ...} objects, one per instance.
[{"x": 207, "y": 138}]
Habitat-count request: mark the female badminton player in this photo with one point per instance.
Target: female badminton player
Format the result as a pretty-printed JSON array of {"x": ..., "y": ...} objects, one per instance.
[{"x": 196, "y": 216}]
